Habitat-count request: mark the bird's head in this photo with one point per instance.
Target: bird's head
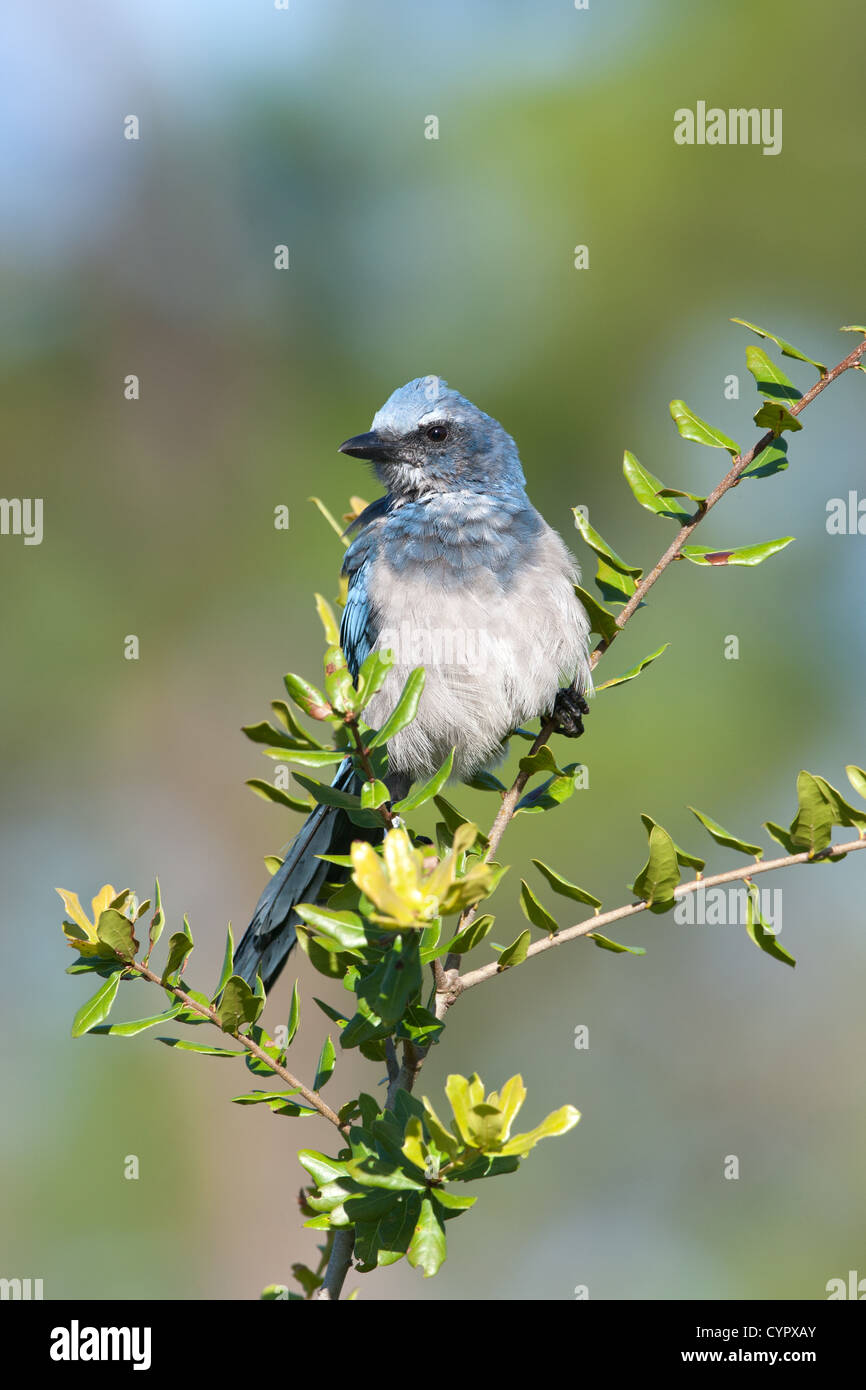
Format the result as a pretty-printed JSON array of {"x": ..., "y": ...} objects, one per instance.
[{"x": 428, "y": 439}]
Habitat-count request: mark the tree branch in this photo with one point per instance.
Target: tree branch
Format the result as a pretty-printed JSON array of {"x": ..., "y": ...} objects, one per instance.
[
  {"x": 487, "y": 972},
  {"x": 312, "y": 1098},
  {"x": 338, "y": 1265}
]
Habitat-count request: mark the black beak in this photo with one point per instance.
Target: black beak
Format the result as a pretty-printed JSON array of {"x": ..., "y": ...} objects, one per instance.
[{"x": 378, "y": 448}]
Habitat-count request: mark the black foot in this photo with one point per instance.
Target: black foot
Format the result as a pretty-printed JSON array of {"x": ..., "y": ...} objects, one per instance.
[{"x": 568, "y": 707}]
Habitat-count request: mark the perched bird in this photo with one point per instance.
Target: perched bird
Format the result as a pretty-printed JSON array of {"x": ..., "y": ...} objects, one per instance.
[{"x": 454, "y": 570}]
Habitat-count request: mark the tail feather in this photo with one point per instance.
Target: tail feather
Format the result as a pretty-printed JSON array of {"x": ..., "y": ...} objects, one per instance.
[{"x": 271, "y": 934}]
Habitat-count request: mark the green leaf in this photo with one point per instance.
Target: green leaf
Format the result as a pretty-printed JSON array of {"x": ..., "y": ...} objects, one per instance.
[
  {"x": 552, "y": 793},
  {"x": 564, "y": 887},
  {"x": 427, "y": 790},
  {"x": 841, "y": 810},
  {"x": 607, "y": 945},
  {"x": 724, "y": 837},
  {"x": 342, "y": 931},
  {"x": 327, "y": 796},
  {"x": 660, "y": 875},
  {"x": 743, "y": 555},
  {"x": 276, "y": 794},
  {"x": 325, "y": 1066},
  {"x": 116, "y": 931},
  {"x": 690, "y": 861},
  {"x": 782, "y": 836},
  {"x": 542, "y": 761},
  {"x": 227, "y": 965},
  {"x": 373, "y": 795},
  {"x": 788, "y": 349},
  {"x": 614, "y": 586},
  {"x": 601, "y": 620},
  {"x": 776, "y": 418},
  {"x": 179, "y": 946},
  {"x": 470, "y": 937},
  {"x": 853, "y": 328},
  {"x": 372, "y": 675},
  {"x": 183, "y": 1046},
  {"x": 534, "y": 911},
  {"x": 238, "y": 1005},
  {"x": 428, "y": 1249},
  {"x": 760, "y": 932},
  {"x": 328, "y": 621},
  {"x": 601, "y": 548},
  {"x": 691, "y": 426},
  {"x": 770, "y": 379},
  {"x": 772, "y": 459},
  {"x": 321, "y": 1168},
  {"x": 307, "y": 697},
  {"x": 812, "y": 827},
  {"x": 857, "y": 777},
  {"x": 138, "y": 1025},
  {"x": 405, "y": 709},
  {"x": 294, "y": 1016},
  {"x": 97, "y": 1008},
  {"x": 635, "y": 670},
  {"x": 157, "y": 923},
  {"x": 450, "y": 1201},
  {"x": 376, "y": 1172},
  {"x": 515, "y": 954},
  {"x": 651, "y": 493}
]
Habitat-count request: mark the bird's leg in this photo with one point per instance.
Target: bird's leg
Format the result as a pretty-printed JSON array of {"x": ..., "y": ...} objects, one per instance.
[{"x": 568, "y": 707}]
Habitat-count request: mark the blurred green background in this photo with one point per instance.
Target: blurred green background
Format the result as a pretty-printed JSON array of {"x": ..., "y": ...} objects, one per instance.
[{"x": 411, "y": 256}]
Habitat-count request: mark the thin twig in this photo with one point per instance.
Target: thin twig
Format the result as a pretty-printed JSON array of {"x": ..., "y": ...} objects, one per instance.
[
  {"x": 312, "y": 1098},
  {"x": 339, "y": 1265}
]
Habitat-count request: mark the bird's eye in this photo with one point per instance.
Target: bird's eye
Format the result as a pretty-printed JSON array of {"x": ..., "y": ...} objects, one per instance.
[{"x": 437, "y": 433}]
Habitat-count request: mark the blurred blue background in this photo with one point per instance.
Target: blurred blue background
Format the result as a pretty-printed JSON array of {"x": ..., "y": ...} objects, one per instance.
[{"x": 411, "y": 256}]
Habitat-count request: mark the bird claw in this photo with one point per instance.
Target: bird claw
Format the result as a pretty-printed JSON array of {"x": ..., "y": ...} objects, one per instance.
[{"x": 568, "y": 707}]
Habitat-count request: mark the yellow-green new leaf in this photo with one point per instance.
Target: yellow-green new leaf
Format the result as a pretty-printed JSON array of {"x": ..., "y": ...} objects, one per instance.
[{"x": 560, "y": 1122}]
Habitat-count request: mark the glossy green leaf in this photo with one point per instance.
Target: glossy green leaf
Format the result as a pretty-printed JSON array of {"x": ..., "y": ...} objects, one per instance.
[
  {"x": 344, "y": 929},
  {"x": 327, "y": 796},
  {"x": 116, "y": 931},
  {"x": 857, "y": 777},
  {"x": 724, "y": 837},
  {"x": 470, "y": 937},
  {"x": 371, "y": 676},
  {"x": 404, "y": 711},
  {"x": 373, "y": 795},
  {"x": 691, "y": 426},
  {"x": 614, "y": 586},
  {"x": 156, "y": 924},
  {"x": 428, "y": 1248},
  {"x": 564, "y": 887},
  {"x": 760, "y": 933},
  {"x": 660, "y": 875},
  {"x": 775, "y": 417},
  {"x": 770, "y": 379},
  {"x": 138, "y": 1025},
  {"x": 98, "y": 1007},
  {"x": 227, "y": 965},
  {"x": 307, "y": 697},
  {"x": 772, "y": 459},
  {"x": 328, "y": 621},
  {"x": 515, "y": 954},
  {"x": 742, "y": 555},
  {"x": 427, "y": 790},
  {"x": 634, "y": 671},
  {"x": 788, "y": 349},
  {"x": 843, "y": 813},
  {"x": 601, "y": 548},
  {"x": 294, "y": 1015},
  {"x": 607, "y": 945},
  {"x": 601, "y": 620},
  {"x": 268, "y": 792},
  {"x": 179, "y": 947},
  {"x": 325, "y": 1065},
  {"x": 238, "y": 1005},
  {"x": 690, "y": 861},
  {"x": 551, "y": 793},
  {"x": 183, "y": 1046},
  {"x": 542, "y": 761},
  {"x": 650, "y": 492},
  {"x": 812, "y": 827},
  {"x": 535, "y": 911}
]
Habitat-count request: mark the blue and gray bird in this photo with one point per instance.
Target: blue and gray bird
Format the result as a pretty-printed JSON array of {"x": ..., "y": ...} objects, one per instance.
[{"x": 454, "y": 570}]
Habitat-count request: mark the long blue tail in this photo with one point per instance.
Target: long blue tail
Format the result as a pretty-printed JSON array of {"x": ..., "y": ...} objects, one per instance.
[{"x": 271, "y": 934}]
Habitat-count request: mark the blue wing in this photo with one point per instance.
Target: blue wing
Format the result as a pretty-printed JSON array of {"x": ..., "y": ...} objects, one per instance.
[{"x": 359, "y": 628}]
